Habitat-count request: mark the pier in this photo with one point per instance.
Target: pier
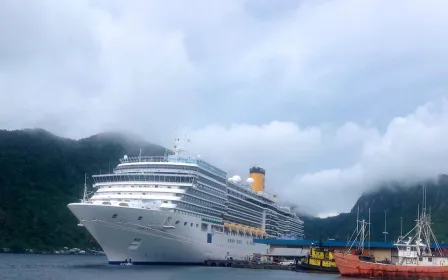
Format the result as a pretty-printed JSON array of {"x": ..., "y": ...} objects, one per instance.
[
  {"x": 225, "y": 263},
  {"x": 247, "y": 264}
]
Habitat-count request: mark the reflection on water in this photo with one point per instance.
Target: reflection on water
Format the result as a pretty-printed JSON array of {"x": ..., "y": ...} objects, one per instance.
[{"x": 69, "y": 267}]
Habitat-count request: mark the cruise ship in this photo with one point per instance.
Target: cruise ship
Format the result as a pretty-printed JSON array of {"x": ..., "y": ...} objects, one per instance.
[{"x": 178, "y": 209}]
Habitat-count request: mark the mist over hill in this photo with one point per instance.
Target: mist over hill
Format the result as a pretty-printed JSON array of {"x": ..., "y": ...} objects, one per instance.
[
  {"x": 400, "y": 203},
  {"x": 40, "y": 173}
]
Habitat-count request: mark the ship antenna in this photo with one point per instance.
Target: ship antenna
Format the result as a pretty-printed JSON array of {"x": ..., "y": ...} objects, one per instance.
[{"x": 140, "y": 155}]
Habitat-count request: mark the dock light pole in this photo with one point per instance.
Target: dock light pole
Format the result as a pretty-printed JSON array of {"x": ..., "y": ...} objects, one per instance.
[{"x": 385, "y": 226}]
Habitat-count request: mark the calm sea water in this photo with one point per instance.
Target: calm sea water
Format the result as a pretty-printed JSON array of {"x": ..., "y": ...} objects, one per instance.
[{"x": 53, "y": 267}]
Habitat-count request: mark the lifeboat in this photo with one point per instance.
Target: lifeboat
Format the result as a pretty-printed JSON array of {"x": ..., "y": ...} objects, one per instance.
[{"x": 124, "y": 204}]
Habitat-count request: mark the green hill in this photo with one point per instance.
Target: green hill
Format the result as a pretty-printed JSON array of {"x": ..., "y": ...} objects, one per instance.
[
  {"x": 398, "y": 201},
  {"x": 41, "y": 173}
]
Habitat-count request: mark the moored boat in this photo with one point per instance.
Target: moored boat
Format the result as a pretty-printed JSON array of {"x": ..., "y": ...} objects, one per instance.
[
  {"x": 319, "y": 259},
  {"x": 416, "y": 258}
]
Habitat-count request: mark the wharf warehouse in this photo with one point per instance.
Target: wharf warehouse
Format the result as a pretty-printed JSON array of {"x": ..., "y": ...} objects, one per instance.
[{"x": 290, "y": 249}]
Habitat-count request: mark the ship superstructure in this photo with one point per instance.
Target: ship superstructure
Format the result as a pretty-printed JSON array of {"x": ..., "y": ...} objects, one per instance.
[{"x": 181, "y": 209}]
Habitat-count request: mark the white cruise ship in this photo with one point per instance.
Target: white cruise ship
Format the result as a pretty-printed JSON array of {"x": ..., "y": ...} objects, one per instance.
[{"x": 181, "y": 209}]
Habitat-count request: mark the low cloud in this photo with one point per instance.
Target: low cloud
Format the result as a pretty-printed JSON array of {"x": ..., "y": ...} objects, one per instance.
[
  {"x": 323, "y": 94},
  {"x": 410, "y": 149}
]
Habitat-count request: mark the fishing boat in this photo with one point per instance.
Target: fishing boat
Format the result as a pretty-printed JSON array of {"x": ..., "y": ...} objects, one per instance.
[
  {"x": 416, "y": 258},
  {"x": 319, "y": 259}
]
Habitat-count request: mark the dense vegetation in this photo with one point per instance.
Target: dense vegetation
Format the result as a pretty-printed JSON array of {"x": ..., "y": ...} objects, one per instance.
[
  {"x": 398, "y": 201},
  {"x": 41, "y": 173}
]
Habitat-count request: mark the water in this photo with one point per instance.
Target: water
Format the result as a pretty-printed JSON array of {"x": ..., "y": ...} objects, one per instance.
[{"x": 70, "y": 267}]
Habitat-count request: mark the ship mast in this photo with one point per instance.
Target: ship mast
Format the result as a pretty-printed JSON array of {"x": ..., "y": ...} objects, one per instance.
[
  {"x": 177, "y": 147},
  {"x": 423, "y": 232},
  {"x": 84, "y": 196},
  {"x": 362, "y": 232}
]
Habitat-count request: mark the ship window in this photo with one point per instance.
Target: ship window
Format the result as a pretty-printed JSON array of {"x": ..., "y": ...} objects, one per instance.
[
  {"x": 204, "y": 227},
  {"x": 429, "y": 259},
  {"x": 140, "y": 218},
  {"x": 114, "y": 216},
  {"x": 177, "y": 222},
  {"x": 185, "y": 223}
]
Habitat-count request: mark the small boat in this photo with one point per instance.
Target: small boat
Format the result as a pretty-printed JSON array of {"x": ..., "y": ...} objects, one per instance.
[
  {"x": 126, "y": 262},
  {"x": 416, "y": 258},
  {"x": 319, "y": 259}
]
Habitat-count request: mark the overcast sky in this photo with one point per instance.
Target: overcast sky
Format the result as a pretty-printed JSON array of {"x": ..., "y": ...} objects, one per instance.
[{"x": 330, "y": 96}]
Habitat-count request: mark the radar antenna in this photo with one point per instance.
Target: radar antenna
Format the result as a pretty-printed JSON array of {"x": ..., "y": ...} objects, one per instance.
[{"x": 177, "y": 147}]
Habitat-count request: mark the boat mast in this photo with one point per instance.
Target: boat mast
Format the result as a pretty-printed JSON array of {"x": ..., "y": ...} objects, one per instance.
[
  {"x": 369, "y": 232},
  {"x": 357, "y": 220},
  {"x": 401, "y": 227},
  {"x": 423, "y": 231}
]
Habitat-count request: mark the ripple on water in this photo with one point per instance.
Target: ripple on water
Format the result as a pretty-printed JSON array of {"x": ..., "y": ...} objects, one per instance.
[{"x": 70, "y": 267}]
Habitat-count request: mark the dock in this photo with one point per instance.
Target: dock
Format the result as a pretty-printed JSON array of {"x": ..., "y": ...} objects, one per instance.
[
  {"x": 247, "y": 264},
  {"x": 225, "y": 263}
]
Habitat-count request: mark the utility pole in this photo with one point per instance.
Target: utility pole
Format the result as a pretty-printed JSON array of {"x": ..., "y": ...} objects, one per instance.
[{"x": 385, "y": 226}]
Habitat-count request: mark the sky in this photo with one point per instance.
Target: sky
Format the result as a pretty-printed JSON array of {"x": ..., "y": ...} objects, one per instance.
[{"x": 331, "y": 97}]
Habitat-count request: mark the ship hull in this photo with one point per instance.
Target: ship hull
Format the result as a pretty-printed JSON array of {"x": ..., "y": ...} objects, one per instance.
[
  {"x": 317, "y": 268},
  {"x": 148, "y": 241},
  {"x": 350, "y": 266}
]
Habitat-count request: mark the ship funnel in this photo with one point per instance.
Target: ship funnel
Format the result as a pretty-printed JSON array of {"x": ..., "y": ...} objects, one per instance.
[{"x": 257, "y": 174}]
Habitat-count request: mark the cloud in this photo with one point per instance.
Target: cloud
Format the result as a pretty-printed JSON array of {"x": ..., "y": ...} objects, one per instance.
[
  {"x": 411, "y": 149},
  {"x": 312, "y": 90}
]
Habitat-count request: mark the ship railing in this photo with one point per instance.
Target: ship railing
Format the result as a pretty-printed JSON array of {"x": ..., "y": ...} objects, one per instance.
[
  {"x": 144, "y": 177},
  {"x": 144, "y": 159},
  {"x": 200, "y": 162},
  {"x": 127, "y": 169}
]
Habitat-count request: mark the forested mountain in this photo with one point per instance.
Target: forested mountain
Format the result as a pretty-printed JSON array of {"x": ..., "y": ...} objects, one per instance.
[
  {"x": 41, "y": 173},
  {"x": 398, "y": 201}
]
